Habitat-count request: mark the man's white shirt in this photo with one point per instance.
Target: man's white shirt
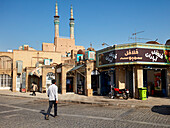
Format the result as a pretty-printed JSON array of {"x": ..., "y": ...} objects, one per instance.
[{"x": 52, "y": 92}]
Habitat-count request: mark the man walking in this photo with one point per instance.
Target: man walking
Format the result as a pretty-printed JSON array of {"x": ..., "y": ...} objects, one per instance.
[
  {"x": 53, "y": 99},
  {"x": 34, "y": 88}
]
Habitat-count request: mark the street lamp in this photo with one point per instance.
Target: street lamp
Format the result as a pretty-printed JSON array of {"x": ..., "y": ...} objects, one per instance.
[{"x": 105, "y": 44}]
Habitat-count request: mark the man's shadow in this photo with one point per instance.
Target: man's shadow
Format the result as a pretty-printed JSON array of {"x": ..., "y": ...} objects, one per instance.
[
  {"x": 44, "y": 113},
  {"x": 163, "y": 109}
]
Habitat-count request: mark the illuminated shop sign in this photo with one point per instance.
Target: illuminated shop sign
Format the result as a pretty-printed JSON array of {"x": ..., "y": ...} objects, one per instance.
[{"x": 134, "y": 55}]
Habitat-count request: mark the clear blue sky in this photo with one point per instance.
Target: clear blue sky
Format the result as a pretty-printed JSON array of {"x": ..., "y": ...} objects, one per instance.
[{"x": 96, "y": 21}]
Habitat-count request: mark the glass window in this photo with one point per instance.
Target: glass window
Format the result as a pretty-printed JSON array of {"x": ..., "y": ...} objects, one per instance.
[{"x": 5, "y": 80}]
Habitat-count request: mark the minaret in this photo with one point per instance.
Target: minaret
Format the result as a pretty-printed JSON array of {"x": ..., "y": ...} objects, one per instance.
[
  {"x": 56, "y": 21},
  {"x": 71, "y": 24}
]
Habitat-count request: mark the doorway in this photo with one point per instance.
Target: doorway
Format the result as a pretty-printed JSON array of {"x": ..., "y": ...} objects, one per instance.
[
  {"x": 95, "y": 83},
  {"x": 155, "y": 81},
  {"x": 69, "y": 84},
  {"x": 129, "y": 81}
]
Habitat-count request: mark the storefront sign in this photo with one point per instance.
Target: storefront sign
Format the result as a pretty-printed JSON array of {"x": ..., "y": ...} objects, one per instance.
[
  {"x": 89, "y": 55},
  {"x": 23, "y": 79},
  {"x": 46, "y": 61},
  {"x": 50, "y": 74},
  {"x": 133, "y": 55}
]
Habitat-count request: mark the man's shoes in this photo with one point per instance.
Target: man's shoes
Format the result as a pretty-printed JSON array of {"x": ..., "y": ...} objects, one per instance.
[
  {"x": 46, "y": 117},
  {"x": 55, "y": 116}
]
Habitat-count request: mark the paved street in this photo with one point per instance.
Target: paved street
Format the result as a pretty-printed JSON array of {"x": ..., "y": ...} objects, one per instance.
[{"x": 20, "y": 112}]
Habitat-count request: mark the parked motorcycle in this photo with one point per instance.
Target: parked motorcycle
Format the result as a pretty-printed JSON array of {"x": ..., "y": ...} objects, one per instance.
[{"x": 116, "y": 92}]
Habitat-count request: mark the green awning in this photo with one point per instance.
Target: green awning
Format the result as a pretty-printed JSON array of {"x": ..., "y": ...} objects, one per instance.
[{"x": 75, "y": 68}]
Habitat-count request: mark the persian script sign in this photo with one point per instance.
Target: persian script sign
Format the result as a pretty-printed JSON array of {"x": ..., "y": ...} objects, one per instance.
[{"x": 132, "y": 55}]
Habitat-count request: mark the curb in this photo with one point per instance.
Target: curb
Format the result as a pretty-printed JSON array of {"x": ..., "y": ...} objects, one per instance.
[{"x": 101, "y": 104}]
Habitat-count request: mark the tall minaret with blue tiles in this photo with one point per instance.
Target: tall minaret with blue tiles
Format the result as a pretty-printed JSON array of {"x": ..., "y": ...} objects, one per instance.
[
  {"x": 56, "y": 21},
  {"x": 71, "y": 24}
]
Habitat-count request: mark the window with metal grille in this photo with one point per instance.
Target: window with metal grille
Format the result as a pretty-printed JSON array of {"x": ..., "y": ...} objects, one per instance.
[{"x": 5, "y": 80}]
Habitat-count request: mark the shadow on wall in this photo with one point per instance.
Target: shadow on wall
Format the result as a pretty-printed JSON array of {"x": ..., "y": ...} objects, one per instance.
[{"x": 163, "y": 109}]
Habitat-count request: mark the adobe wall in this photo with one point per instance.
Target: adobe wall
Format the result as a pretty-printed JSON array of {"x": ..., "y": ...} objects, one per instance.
[
  {"x": 9, "y": 54},
  {"x": 64, "y": 45},
  {"x": 88, "y": 69},
  {"x": 120, "y": 77},
  {"x": 7, "y": 71},
  {"x": 45, "y": 71},
  {"x": 30, "y": 58},
  {"x": 138, "y": 79},
  {"x": 48, "y": 47},
  {"x": 64, "y": 70}
]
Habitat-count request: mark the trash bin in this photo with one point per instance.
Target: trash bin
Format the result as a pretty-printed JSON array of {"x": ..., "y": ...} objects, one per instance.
[{"x": 143, "y": 93}]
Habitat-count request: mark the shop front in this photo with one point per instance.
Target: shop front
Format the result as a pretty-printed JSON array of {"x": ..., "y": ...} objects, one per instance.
[
  {"x": 137, "y": 65},
  {"x": 107, "y": 80},
  {"x": 155, "y": 80},
  {"x": 95, "y": 82}
]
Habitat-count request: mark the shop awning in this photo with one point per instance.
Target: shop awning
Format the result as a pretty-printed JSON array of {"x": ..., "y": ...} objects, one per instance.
[
  {"x": 36, "y": 71},
  {"x": 75, "y": 68}
]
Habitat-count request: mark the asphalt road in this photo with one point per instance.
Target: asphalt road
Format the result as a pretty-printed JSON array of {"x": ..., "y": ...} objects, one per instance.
[{"x": 19, "y": 112}]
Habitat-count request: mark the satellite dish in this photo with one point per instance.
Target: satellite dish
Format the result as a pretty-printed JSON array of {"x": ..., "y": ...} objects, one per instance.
[{"x": 167, "y": 42}]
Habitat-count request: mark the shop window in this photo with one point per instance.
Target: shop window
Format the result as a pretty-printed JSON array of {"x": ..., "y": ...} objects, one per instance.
[{"x": 5, "y": 80}]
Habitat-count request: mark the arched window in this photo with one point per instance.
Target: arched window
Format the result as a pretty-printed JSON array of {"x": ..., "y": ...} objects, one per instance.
[
  {"x": 5, "y": 81},
  {"x": 5, "y": 63}
]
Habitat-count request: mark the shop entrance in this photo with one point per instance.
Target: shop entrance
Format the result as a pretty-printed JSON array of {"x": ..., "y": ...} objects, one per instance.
[
  {"x": 80, "y": 84},
  {"x": 155, "y": 81},
  {"x": 105, "y": 83},
  {"x": 129, "y": 81},
  {"x": 36, "y": 80},
  {"x": 95, "y": 83},
  {"x": 69, "y": 84}
]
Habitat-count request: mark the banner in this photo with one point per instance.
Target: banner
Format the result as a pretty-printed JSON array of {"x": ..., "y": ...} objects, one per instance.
[{"x": 134, "y": 55}]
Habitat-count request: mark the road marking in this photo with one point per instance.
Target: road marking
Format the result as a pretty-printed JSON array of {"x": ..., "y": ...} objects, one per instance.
[
  {"x": 91, "y": 117},
  {"x": 22, "y": 108},
  {"x": 10, "y": 111},
  {"x": 11, "y": 115}
]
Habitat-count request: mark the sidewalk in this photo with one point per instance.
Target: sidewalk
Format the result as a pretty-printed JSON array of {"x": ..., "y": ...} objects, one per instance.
[{"x": 94, "y": 100}]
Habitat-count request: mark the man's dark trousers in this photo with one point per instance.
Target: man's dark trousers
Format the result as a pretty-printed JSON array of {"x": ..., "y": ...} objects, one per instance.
[{"x": 50, "y": 107}]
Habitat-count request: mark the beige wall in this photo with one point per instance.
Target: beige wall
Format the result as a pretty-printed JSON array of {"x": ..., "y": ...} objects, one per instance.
[
  {"x": 48, "y": 47},
  {"x": 30, "y": 58},
  {"x": 9, "y": 54},
  {"x": 88, "y": 69},
  {"x": 79, "y": 47},
  {"x": 64, "y": 70},
  {"x": 65, "y": 45},
  {"x": 120, "y": 77},
  {"x": 6, "y": 68},
  {"x": 45, "y": 71},
  {"x": 138, "y": 79}
]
